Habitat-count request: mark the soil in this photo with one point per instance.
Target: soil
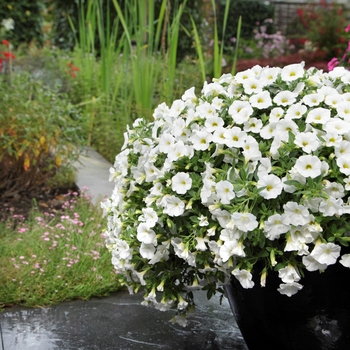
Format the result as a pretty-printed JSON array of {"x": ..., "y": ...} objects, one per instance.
[{"x": 44, "y": 199}]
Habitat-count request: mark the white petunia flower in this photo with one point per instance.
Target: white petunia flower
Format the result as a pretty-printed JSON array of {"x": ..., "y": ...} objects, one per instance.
[
  {"x": 244, "y": 221},
  {"x": 240, "y": 111},
  {"x": 313, "y": 100},
  {"x": 318, "y": 116},
  {"x": 292, "y": 72},
  {"x": 285, "y": 98},
  {"x": 311, "y": 264},
  {"x": 201, "y": 140},
  {"x": 173, "y": 206},
  {"x": 147, "y": 250},
  {"x": 345, "y": 260},
  {"x": 261, "y": 100},
  {"x": 253, "y": 125},
  {"x": 145, "y": 234},
  {"x": 244, "y": 277},
  {"x": 296, "y": 111},
  {"x": 332, "y": 139},
  {"x": 181, "y": 183},
  {"x": 252, "y": 86},
  {"x": 331, "y": 207},
  {"x": 308, "y": 166},
  {"x": 308, "y": 141},
  {"x": 288, "y": 274},
  {"x": 295, "y": 214},
  {"x": 276, "y": 114},
  {"x": 8, "y": 24},
  {"x": 274, "y": 227},
  {"x": 213, "y": 122},
  {"x": 289, "y": 289},
  {"x": 231, "y": 248},
  {"x": 273, "y": 186},
  {"x": 224, "y": 191},
  {"x": 326, "y": 253},
  {"x": 235, "y": 137},
  {"x": 337, "y": 126},
  {"x": 343, "y": 163}
]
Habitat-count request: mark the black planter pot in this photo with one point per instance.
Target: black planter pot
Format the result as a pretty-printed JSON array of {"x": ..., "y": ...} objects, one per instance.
[{"x": 316, "y": 318}]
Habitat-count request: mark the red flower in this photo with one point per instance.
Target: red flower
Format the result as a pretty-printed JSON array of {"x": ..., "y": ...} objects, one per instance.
[
  {"x": 5, "y": 42},
  {"x": 9, "y": 55}
]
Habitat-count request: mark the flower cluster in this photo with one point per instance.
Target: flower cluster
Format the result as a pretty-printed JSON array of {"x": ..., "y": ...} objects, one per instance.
[
  {"x": 345, "y": 60},
  {"x": 251, "y": 176},
  {"x": 6, "y": 55},
  {"x": 323, "y": 23},
  {"x": 271, "y": 44}
]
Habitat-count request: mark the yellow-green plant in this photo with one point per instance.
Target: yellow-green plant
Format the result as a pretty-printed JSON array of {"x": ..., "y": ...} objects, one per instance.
[{"x": 39, "y": 133}]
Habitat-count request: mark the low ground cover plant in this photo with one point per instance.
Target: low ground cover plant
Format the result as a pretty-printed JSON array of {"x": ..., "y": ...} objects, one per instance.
[{"x": 51, "y": 257}]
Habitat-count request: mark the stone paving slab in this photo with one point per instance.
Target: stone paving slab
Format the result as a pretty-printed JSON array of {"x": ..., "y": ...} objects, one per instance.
[{"x": 119, "y": 322}]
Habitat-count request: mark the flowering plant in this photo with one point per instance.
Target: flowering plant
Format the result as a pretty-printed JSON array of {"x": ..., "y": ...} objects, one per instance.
[
  {"x": 254, "y": 169},
  {"x": 6, "y": 56},
  {"x": 345, "y": 60}
]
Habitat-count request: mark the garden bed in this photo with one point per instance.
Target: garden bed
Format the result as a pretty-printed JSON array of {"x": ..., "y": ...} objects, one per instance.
[{"x": 312, "y": 59}]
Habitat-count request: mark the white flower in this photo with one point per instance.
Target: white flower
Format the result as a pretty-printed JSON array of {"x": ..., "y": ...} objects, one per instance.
[
  {"x": 308, "y": 166},
  {"x": 174, "y": 206},
  {"x": 235, "y": 137},
  {"x": 201, "y": 140},
  {"x": 8, "y": 24},
  {"x": 343, "y": 163},
  {"x": 252, "y": 85},
  {"x": 292, "y": 72},
  {"x": 224, "y": 191},
  {"x": 253, "y": 125},
  {"x": 147, "y": 250},
  {"x": 213, "y": 122},
  {"x": 284, "y": 98},
  {"x": 345, "y": 260},
  {"x": 308, "y": 141},
  {"x": 244, "y": 277},
  {"x": 296, "y": 111},
  {"x": 231, "y": 248},
  {"x": 261, "y": 100},
  {"x": 181, "y": 183},
  {"x": 331, "y": 206},
  {"x": 244, "y": 221},
  {"x": 273, "y": 186},
  {"x": 274, "y": 227},
  {"x": 295, "y": 214},
  {"x": 288, "y": 274},
  {"x": 289, "y": 289},
  {"x": 326, "y": 253},
  {"x": 240, "y": 111},
  {"x": 145, "y": 234},
  {"x": 318, "y": 116},
  {"x": 313, "y": 100},
  {"x": 311, "y": 264}
]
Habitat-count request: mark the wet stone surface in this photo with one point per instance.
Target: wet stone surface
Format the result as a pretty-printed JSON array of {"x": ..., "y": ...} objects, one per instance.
[{"x": 119, "y": 322}]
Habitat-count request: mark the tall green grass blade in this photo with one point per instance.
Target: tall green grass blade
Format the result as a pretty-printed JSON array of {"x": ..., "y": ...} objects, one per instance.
[{"x": 234, "y": 64}]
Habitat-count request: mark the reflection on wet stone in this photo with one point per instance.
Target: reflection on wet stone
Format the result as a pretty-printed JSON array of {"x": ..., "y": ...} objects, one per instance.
[{"x": 119, "y": 322}]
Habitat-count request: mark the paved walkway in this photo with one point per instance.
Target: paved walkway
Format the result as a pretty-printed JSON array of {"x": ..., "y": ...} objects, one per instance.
[{"x": 117, "y": 322}]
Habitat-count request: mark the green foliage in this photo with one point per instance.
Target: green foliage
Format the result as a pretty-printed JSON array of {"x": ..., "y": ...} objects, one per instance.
[
  {"x": 28, "y": 18},
  {"x": 324, "y": 25},
  {"x": 48, "y": 259},
  {"x": 62, "y": 11},
  {"x": 39, "y": 133},
  {"x": 252, "y": 11}
]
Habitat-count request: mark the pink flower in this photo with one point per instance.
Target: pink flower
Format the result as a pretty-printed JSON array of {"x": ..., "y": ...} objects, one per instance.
[
  {"x": 332, "y": 63},
  {"x": 347, "y": 29}
]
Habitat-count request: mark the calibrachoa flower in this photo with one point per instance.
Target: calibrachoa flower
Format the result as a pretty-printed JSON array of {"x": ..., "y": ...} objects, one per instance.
[{"x": 233, "y": 182}]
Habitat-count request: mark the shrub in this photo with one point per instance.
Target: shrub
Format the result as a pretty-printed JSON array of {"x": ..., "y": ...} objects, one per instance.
[
  {"x": 252, "y": 12},
  {"x": 28, "y": 18},
  {"x": 39, "y": 134},
  {"x": 324, "y": 25}
]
